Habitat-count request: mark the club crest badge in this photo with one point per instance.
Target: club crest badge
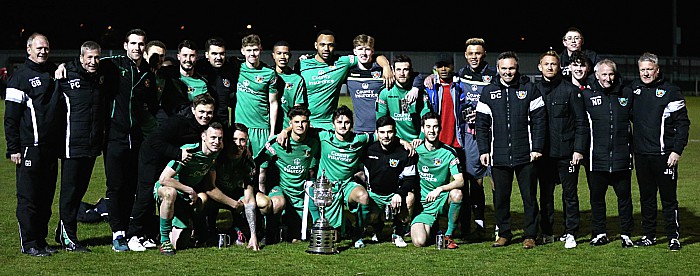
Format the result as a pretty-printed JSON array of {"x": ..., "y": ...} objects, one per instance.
[
  {"x": 258, "y": 79},
  {"x": 393, "y": 162},
  {"x": 226, "y": 82},
  {"x": 307, "y": 153},
  {"x": 288, "y": 86},
  {"x": 660, "y": 92},
  {"x": 521, "y": 94},
  {"x": 437, "y": 161},
  {"x": 376, "y": 75},
  {"x": 486, "y": 78},
  {"x": 623, "y": 101},
  {"x": 147, "y": 83}
]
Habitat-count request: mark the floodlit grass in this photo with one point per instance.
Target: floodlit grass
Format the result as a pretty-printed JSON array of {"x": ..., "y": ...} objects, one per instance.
[{"x": 384, "y": 258}]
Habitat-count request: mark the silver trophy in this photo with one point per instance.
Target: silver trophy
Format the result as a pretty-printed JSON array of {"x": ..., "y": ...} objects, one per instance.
[{"x": 322, "y": 238}]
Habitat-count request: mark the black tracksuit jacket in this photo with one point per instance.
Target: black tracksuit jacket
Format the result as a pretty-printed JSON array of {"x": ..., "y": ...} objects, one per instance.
[
  {"x": 31, "y": 107},
  {"x": 566, "y": 126},
  {"x": 511, "y": 122},
  {"x": 85, "y": 103},
  {"x": 609, "y": 114},
  {"x": 660, "y": 117},
  {"x": 130, "y": 91}
]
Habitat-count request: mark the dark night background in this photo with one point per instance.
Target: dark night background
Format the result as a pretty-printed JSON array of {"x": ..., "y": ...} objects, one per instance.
[{"x": 609, "y": 27}]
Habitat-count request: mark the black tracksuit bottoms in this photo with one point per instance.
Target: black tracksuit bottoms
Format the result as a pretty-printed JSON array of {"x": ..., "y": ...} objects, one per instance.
[
  {"x": 598, "y": 183},
  {"x": 75, "y": 178},
  {"x": 121, "y": 169},
  {"x": 527, "y": 182},
  {"x": 36, "y": 185},
  {"x": 654, "y": 175},
  {"x": 551, "y": 171}
]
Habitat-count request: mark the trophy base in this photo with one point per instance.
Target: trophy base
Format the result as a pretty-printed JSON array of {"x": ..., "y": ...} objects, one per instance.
[{"x": 322, "y": 241}]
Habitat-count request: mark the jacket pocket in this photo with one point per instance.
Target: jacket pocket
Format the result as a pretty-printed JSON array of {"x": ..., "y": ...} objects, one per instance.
[{"x": 559, "y": 109}]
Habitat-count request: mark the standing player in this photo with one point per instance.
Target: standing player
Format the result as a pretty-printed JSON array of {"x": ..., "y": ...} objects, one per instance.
[
  {"x": 182, "y": 83},
  {"x": 476, "y": 75},
  {"x": 291, "y": 90},
  {"x": 129, "y": 86},
  {"x": 364, "y": 83},
  {"x": 221, "y": 75},
  {"x": 325, "y": 74},
  {"x": 256, "y": 99},
  {"x": 437, "y": 165},
  {"x": 392, "y": 102}
]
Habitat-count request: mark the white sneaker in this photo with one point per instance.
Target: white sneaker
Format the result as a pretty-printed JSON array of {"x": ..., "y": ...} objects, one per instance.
[
  {"x": 149, "y": 243},
  {"x": 135, "y": 244},
  {"x": 570, "y": 241},
  {"x": 359, "y": 244},
  {"x": 562, "y": 238},
  {"x": 398, "y": 241}
]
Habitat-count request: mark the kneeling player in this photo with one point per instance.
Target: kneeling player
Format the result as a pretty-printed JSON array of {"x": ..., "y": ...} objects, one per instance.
[{"x": 437, "y": 163}]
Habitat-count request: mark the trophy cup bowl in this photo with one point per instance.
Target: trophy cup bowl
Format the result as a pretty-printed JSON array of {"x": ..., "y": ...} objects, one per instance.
[{"x": 322, "y": 238}]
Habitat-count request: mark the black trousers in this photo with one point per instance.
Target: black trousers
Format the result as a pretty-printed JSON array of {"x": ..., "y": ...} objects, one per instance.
[
  {"x": 621, "y": 182},
  {"x": 503, "y": 182},
  {"x": 473, "y": 204},
  {"x": 551, "y": 171},
  {"x": 36, "y": 185},
  {"x": 144, "y": 221},
  {"x": 654, "y": 175},
  {"x": 75, "y": 177},
  {"x": 121, "y": 169}
]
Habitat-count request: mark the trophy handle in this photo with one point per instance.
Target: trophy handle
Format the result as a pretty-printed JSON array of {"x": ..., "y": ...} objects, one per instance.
[{"x": 307, "y": 185}]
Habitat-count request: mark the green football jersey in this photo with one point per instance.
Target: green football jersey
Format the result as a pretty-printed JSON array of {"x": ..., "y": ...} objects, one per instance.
[
  {"x": 232, "y": 173},
  {"x": 435, "y": 167},
  {"x": 253, "y": 96},
  {"x": 293, "y": 92},
  {"x": 323, "y": 84},
  {"x": 193, "y": 172},
  {"x": 407, "y": 116},
  {"x": 195, "y": 86},
  {"x": 341, "y": 159},
  {"x": 294, "y": 164}
]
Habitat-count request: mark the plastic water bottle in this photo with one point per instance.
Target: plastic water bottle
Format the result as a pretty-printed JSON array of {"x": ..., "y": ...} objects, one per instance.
[{"x": 439, "y": 240}]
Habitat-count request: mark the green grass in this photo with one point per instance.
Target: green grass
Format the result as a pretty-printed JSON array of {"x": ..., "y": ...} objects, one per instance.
[{"x": 380, "y": 259}]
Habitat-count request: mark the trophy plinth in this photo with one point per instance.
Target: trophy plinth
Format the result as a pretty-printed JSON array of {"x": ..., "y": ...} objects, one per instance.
[{"x": 322, "y": 238}]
